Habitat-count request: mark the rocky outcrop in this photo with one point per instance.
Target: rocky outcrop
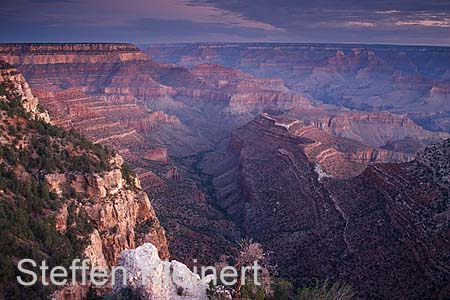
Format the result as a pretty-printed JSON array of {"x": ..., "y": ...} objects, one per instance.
[
  {"x": 341, "y": 156},
  {"x": 380, "y": 156},
  {"x": 384, "y": 231},
  {"x": 18, "y": 83},
  {"x": 72, "y": 292},
  {"x": 104, "y": 209},
  {"x": 120, "y": 126},
  {"x": 376, "y": 129},
  {"x": 148, "y": 277},
  {"x": 436, "y": 158},
  {"x": 158, "y": 154},
  {"x": 223, "y": 77},
  {"x": 257, "y": 102},
  {"x": 289, "y": 212},
  {"x": 402, "y": 210},
  {"x": 122, "y": 216}
]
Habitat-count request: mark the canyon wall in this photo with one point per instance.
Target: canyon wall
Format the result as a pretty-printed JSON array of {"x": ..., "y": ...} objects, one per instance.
[
  {"x": 384, "y": 231},
  {"x": 43, "y": 54},
  {"x": 402, "y": 79},
  {"x": 87, "y": 200},
  {"x": 115, "y": 95}
]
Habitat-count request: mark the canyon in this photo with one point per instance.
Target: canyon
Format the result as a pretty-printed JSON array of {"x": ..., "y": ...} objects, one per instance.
[
  {"x": 410, "y": 80},
  {"x": 281, "y": 143},
  {"x": 374, "y": 229}
]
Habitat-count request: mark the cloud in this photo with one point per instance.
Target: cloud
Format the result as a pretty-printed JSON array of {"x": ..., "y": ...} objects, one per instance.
[
  {"x": 361, "y": 24},
  {"x": 388, "y": 12},
  {"x": 347, "y": 20},
  {"x": 178, "y": 10},
  {"x": 161, "y": 30},
  {"x": 363, "y": 21},
  {"x": 426, "y": 23},
  {"x": 9, "y": 13}
]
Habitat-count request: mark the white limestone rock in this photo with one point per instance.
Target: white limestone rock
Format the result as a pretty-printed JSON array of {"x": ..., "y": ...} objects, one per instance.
[{"x": 163, "y": 280}]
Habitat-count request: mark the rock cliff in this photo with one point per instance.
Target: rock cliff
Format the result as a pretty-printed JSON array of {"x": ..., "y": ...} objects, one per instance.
[
  {"x": 42, "y": 54},
  {"x": 30, "y": 102},
  {"x": 377, "y": 129},
  {"x": 384, "y": 230},
  {"x": 85, "y": 199},
  {"x": 122, "y": 215},
  {"x": 154, "y": 115}
]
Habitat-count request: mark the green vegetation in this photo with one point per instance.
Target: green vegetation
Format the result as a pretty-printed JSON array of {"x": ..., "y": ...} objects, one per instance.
[
  {"x": 30, "y": 150},
  {"x": 326, "y": 291},
  {"x": 13, "y": 105},
  {"x": 282, "y": 289},
  {"x": 5, "y": 65},
  {"x": 128, "y": 174},
  {"x": 27, "y": 232},
  {"x": 252, "y": 292},
  {"x": 53, "y": 150}
]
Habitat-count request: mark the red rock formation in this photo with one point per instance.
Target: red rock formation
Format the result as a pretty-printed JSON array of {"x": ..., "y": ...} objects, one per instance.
[
  {"x": 377, "y": 129},
  {"x": 91, "y": 200},
  {"x": 158, "y": 154},
  {"x": 43, "y": 54},
  {"x": 340, "y": 157},
  {"x": 371, "y": 78},
  {"x": 384, "y": 231}
]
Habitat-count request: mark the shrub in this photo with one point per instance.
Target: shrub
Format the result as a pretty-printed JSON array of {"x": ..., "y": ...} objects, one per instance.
[
  {"x": 282, "y": 290},
  {"x": 128, "y": 174},
  {"x": 326, "y": 291},
  {"x": 27, "y": 224}
]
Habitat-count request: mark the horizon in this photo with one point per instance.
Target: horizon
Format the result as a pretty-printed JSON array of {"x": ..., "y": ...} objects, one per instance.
[{"x": 227, "y": 42}]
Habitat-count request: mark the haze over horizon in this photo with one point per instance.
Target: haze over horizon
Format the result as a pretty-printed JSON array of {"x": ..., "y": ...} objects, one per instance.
[{"x": 409, "y": 22}]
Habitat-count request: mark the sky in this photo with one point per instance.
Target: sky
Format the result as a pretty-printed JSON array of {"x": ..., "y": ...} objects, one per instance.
[{"x": 414, "y": 22}]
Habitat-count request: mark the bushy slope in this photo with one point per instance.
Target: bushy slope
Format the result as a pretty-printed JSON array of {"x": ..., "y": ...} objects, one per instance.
[{"x": 30, "y": 149}]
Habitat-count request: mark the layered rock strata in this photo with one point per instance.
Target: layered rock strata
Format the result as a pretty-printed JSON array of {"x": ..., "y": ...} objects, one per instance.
[
  {"x": 384, "y": 231},
  {"x": 410, "y": 80},
  {"x": 92, "y": 198}
]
